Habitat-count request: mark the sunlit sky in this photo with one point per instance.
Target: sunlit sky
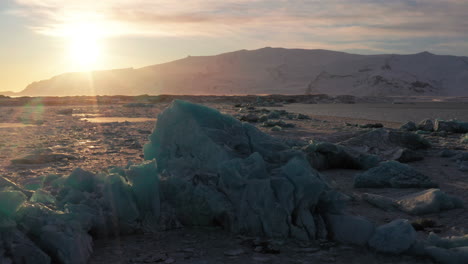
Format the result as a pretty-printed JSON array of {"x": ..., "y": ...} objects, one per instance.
[{"x": 42, "y": 38}]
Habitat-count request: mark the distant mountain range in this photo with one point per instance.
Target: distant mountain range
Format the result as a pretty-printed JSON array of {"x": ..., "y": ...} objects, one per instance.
[{"x": 273, "y": 71}]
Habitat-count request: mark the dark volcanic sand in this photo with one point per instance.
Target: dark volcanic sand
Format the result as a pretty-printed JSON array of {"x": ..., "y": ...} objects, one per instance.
[{"x": 97, "y": 145}]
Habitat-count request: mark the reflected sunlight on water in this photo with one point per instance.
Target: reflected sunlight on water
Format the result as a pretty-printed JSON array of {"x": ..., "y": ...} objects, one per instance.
[{"x": 117, "y": 119}]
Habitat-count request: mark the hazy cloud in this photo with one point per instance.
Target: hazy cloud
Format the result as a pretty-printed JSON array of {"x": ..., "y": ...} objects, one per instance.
[{"x": 364, "y": 24}]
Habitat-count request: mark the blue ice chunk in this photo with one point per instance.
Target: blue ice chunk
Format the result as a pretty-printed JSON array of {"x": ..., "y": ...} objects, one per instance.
[
  {"x": 42, "y": 196},
  {"x": 64, "y": 241},
  {"x": 10, "y": 201},
  {"x": 81, "y": 180},
  {"x": 120, "y": 201},
  {"x": 145, "y": 187}
]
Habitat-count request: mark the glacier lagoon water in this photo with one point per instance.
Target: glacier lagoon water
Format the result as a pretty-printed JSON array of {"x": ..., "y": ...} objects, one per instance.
[{"x": 385, "y": 112}]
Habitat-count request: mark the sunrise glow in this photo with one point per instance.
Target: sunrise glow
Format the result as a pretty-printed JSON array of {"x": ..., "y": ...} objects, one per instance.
[{"x": 84, "y": 46}]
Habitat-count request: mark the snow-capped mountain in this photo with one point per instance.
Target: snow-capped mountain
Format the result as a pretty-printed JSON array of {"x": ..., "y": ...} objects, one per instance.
[{"x": 274, "y": 71}]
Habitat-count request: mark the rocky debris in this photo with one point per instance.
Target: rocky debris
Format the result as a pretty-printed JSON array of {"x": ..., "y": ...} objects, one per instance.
[
  {"x": 324, "y": 155},
  {"x": 452, "y": 126},
  {"x": 395, "y": 237},
  {"x": 428, "y": 201},
  {"x": 409, "y": 126},
  {"x": 350, "y": 229},
  {"x": 392, "y": 174},
  {"x": 371, "y": 125},
  {"x": 426, "y": 125},
  {"x": 42, "y": 156},
  {"x": 387, "y": 144}
]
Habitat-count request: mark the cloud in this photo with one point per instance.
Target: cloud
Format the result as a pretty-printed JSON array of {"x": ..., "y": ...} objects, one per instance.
[{"x": 364, "y": 23}]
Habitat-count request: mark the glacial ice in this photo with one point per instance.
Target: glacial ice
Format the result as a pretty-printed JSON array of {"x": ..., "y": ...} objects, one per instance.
[
  {"x": 325, "y": 155},
  {"x": 428, "y": 201},
  {"x": 202, "y": 168},
  {"x": 229, "y": 173},
  {"x": 392, "y": 174},
  {"x": 395, "y": 237}
]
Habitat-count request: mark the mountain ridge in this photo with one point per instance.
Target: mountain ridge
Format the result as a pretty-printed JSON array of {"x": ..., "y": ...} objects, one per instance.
[{"x": 273, "y": 70}]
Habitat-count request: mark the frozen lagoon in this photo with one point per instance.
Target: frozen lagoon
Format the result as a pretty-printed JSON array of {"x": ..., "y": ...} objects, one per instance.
[{"x": 384, "y": 111}]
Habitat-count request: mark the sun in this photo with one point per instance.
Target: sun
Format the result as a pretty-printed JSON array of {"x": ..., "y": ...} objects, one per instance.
[{"x": 84, "y": 47}]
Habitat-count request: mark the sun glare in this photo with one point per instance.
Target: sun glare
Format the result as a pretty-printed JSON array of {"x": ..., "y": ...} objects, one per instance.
[{"x": 84, "y": 46}]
